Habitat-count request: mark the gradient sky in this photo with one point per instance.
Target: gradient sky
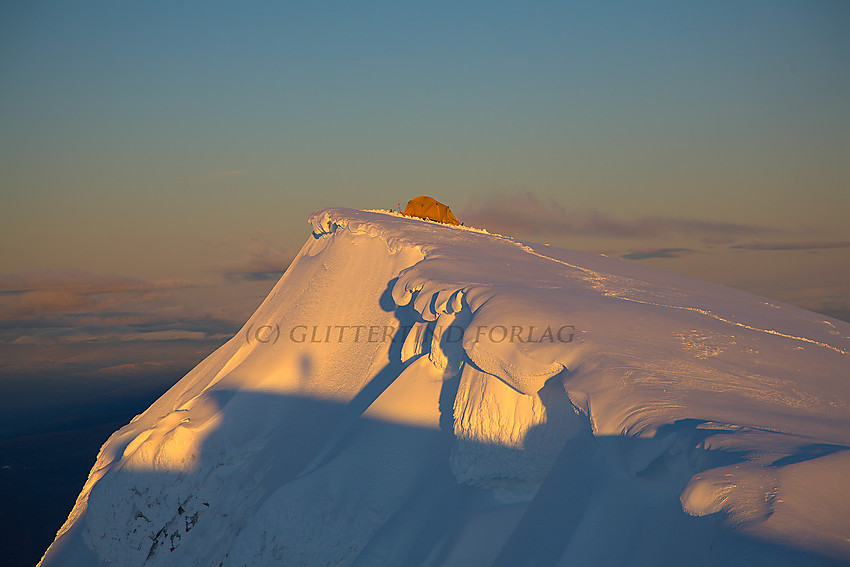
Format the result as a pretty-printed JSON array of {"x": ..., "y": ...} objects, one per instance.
[{"x": 159, "y": 159}]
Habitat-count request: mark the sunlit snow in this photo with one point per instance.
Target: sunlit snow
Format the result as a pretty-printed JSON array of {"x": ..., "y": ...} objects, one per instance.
[{"x": 411, "y": 393}]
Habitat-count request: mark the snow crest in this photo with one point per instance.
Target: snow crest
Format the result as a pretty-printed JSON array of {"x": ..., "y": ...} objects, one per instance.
[{"x": 411, "y": 393}]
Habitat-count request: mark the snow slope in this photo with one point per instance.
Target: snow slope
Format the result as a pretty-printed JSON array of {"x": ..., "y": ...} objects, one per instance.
[{"x": 417, "y": 394}]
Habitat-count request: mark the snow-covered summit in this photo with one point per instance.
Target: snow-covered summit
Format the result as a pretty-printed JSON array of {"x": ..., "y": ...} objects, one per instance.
[{"x": 412, "y": 393}]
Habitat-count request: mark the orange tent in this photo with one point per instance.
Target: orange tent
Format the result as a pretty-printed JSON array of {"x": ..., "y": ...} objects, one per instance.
[{"x": 429, "y": 208}]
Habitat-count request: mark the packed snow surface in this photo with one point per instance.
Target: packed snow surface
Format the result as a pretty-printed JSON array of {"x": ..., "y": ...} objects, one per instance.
[{"x": 411, "y": 393}]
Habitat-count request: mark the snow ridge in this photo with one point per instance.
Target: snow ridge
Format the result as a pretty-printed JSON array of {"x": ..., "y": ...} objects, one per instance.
[
  {"x": 417, "y": 394},
  {"x": 595, "y": 276}
]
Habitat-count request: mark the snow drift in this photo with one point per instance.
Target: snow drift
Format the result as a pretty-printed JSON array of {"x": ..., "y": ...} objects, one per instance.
[{"x": 417, "y": 394}]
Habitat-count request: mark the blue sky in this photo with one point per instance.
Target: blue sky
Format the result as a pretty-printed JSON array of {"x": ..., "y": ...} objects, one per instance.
[{"x": 181, "y": 145}]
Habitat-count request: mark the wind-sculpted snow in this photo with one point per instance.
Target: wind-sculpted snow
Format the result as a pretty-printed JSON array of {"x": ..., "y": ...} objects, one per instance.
[{"x": 412, "y": 393}]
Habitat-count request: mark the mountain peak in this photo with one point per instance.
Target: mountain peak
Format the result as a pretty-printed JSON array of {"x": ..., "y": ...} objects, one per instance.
[{"x": 416, "y": 393}]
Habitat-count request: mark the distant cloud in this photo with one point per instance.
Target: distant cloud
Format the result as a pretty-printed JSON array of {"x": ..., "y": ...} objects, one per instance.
[
  {"x": 526, "y": 213},
  {"x": 658, "y": 253},
  {"x": 836, "y": 310},
  {"x": 792, "y": 245},
  {"x": 718, "y": 240},
  {"x": 32, "y": 294},
  {"x": 821, "y": 293},
  {"x": 69, "y": 327},
  {"x": 78, "y": 280},
  {"x": 255, "y": 275},
  {"x": 118, "y": 335},
  {"x": 261, "y": 261},
  {"x": 72, "y": 337},
  {"x": 168, "y": 336},
  {"x": 73, "y": 307},
  {"x": 145, "y": 368}
]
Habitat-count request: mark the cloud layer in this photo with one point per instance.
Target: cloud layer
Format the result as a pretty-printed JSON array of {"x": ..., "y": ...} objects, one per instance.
[
  {"x": 75, "y": 344},
  {"x": 260, "y": 262},
  {"x": 527, "y": 214},
  {"x": 645, "y": 254},
  {"x": 32, "y": 294},
  {"x": 782, "y": 246},
  {"x": 678, "y": 240},
  {"x": 52, "y": 315}
]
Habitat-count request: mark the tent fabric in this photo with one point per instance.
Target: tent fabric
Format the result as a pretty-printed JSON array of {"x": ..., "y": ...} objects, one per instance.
[{"x": 429, "y": 208}]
